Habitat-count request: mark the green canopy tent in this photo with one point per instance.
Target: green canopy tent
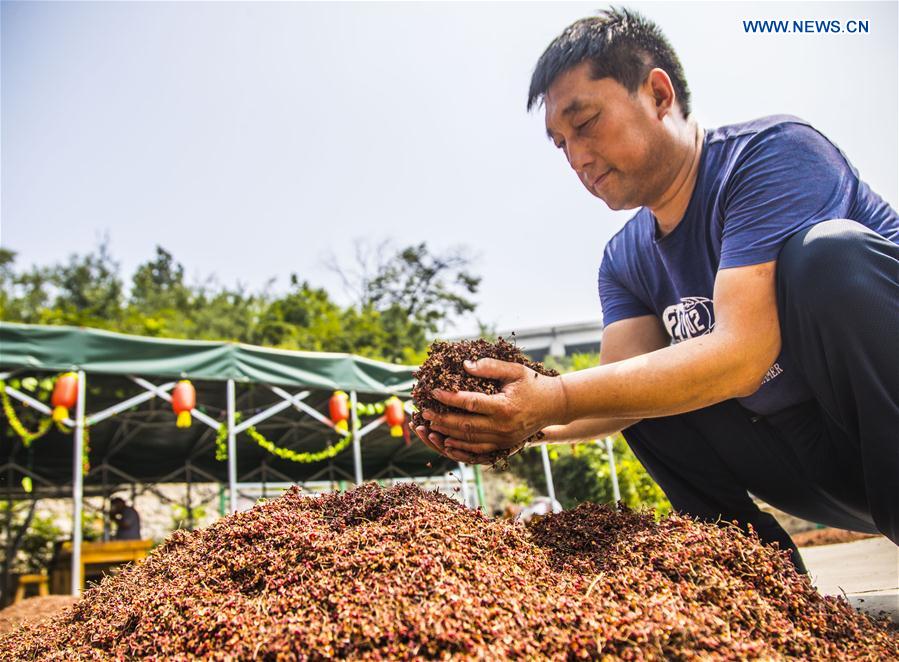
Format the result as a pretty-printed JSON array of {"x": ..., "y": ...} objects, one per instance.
[{"x": 245, "y": 394}]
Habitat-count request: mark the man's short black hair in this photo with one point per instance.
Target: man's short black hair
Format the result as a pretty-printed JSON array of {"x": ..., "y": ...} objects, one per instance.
[{"x": 621, "y": 44}]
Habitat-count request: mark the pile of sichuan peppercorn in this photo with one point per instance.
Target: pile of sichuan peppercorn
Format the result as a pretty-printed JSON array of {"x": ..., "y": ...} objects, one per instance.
[
  {"x": 443, "y": 370},
  {"x": 400, "y": 573}
]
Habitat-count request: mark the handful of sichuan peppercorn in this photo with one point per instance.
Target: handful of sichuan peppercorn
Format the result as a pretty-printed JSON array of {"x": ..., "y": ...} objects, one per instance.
[{"x": 443, "y": 371}]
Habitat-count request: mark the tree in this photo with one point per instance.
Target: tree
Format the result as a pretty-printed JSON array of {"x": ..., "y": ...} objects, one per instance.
[
  {"x": 305, "y": 318},
  {"x": 222, "y": 313},
  {"x": 160, "y": 303},
  {"x": 159, "y": 284},
  {"x": 429, "y": 290},
  {"x": 24, "y": 297},
  {"x": 89, "y": 290},
  {"x": 403, "y": 298}
]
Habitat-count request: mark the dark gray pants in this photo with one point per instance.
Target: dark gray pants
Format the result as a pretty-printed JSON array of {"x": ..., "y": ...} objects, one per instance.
[{"x": 832, "y": 460}]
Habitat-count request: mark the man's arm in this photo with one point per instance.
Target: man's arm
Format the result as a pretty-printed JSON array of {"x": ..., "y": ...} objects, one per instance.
[
  {"x": 582, "y": 431},
  {"x": 620, "y": 340},
  {"x": 729, "y": 362}
]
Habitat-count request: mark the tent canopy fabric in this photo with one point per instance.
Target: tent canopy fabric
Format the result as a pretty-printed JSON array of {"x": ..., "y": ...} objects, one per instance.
[
  {"x": 57, "y": 348},
  {"x": 143, "y": 444}
]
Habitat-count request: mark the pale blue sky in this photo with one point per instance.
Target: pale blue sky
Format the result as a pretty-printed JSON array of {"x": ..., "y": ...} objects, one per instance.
[{"x": 253, "y": 139}]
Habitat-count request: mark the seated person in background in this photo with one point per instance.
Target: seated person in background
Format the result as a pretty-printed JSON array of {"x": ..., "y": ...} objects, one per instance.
[{"x": 126, "y": 518}]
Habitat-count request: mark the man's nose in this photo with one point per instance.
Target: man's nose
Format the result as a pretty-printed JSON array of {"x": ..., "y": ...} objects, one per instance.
[{"x": 579, "y": 156}]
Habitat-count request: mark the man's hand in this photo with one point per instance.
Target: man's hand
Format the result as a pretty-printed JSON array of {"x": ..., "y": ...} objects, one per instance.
[
  {"x": 436, "y": 442},
  {"x": 528, "y": 402}
]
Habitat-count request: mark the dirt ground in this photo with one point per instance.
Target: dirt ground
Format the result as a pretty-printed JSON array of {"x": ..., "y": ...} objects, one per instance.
[
  {"x": 33, "y": 610},
  {"x": 828, "y": 536}
]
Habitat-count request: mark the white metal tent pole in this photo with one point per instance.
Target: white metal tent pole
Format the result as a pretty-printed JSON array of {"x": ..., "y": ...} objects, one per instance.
[
  {"x": 78, "y": 486},
  {"x": 357, "y": 441},
  {"x": 464, "y": 483},
  {"x": 547, "y": 473},
  {"x": 232, "y": 450},
  {"x": 616, "y": 492}
]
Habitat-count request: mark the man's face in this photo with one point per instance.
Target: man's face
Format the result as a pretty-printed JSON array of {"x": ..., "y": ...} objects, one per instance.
[{"x": 613, "y": 140}]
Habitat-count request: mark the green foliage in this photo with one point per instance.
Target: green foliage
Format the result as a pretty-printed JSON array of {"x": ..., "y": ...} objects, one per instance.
[
  {"x": 35, "y": 545},
  {"x": 158, "y": 285},
  {"x": 521, "y": 495},
  {"x": 581, "y": 472},
  {"x": 89, "y": 287},
  {"x": 402, "y": 301},
  {"x": 91, "y": 526},
  {"x": 29, "y": 417},
  {"x": 572, "y": 363},
  {"x": 23, "y": 296},
  {"x": 184, "y": 518}
]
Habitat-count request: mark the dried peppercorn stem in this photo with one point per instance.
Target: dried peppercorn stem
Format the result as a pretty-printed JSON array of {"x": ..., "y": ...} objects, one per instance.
[{"x": 406, "y": 574}]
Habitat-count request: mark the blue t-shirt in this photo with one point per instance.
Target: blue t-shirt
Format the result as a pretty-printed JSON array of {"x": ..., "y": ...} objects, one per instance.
[{"x": 759, "y": 183}]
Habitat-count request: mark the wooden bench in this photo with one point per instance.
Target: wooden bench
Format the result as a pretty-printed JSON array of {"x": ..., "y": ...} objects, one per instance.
[{"x": 42, "y": 581}]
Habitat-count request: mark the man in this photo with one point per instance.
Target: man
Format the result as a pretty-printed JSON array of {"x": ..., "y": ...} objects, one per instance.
[
  {"x": 126, "y": 518},
  {"x": 751, "y": 305}
]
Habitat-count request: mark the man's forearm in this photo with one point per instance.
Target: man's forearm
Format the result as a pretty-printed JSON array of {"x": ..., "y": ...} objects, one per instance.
[
  {"x": 729, "y": 362},
  {"x": 584, "y": 430},
  {"x": 693, "y": 374}
]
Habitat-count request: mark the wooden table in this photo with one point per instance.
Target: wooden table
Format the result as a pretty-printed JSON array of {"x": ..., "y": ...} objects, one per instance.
[{"x": 96, "y": 557}]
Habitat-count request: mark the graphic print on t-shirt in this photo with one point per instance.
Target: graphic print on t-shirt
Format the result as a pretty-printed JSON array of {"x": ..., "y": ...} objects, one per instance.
[{"x": 693, "y": 316}]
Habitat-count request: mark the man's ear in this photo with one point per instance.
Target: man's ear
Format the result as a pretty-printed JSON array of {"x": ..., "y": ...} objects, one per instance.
[{"x": 661, "y": 91}]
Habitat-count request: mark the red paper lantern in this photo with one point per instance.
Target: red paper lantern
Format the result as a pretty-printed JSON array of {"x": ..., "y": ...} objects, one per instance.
[
  {"x": 65, "y": 395},
  {"x": 184, "y": 399},
  {"x": 339, "y": 409},
  {"x": 395, "y": 415}
]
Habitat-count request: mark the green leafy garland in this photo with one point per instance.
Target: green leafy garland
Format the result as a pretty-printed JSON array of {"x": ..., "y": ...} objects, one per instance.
[
  {"x": 26, "y": 435},
  {"x": 221, "y": 446},
  {"x": 221, "y": 440},
  {"x": 371, "y": 409},
  {"x": 43, "y": 427}
]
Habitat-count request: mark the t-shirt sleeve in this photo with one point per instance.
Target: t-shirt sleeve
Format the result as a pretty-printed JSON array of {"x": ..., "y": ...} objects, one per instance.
[
  {"x": 617, "y": 301},
  {"x": 786, "y": 179}
]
